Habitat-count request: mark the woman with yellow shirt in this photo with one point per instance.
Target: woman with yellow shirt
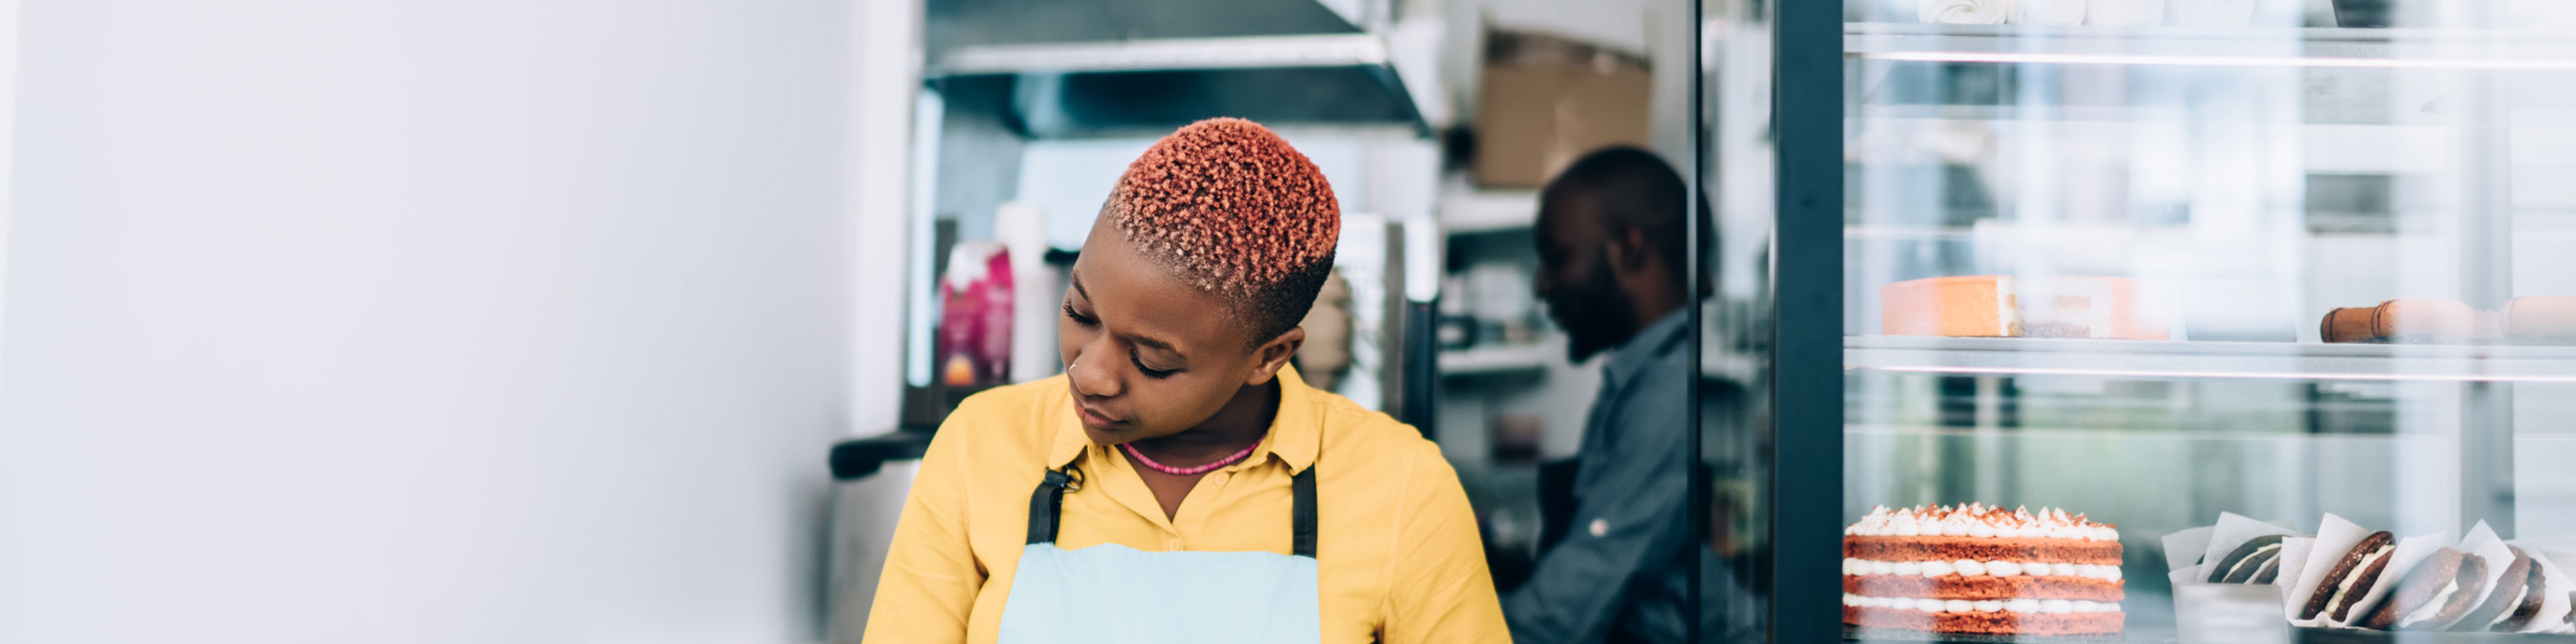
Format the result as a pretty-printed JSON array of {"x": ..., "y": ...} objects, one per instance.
[{"x": 1179, "y": 483}]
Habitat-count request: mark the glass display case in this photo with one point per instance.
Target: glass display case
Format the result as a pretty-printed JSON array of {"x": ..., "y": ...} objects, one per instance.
[{"x": 2225, "y": 281}]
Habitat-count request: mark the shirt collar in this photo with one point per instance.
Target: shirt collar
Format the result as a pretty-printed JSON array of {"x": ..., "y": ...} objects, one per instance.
[
  {"x": 1295, "y": 436},
  {"x": 1657, "y": 339}
]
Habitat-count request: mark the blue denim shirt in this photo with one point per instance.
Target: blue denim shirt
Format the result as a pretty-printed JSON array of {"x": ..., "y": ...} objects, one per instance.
[{"x": 1626, "y": 559}]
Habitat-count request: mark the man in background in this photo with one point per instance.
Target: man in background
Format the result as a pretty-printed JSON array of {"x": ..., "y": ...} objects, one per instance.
[{"x": 1614, "y": 272}]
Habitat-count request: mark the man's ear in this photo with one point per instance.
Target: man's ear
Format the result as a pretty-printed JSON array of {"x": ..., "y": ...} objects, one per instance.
[
  {"x": 1273, "y": 355},
  {"x": 1626, "y": 250}
]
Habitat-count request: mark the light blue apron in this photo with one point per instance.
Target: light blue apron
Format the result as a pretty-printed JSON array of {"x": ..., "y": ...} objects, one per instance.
[{"x": 1113, "y": 593}]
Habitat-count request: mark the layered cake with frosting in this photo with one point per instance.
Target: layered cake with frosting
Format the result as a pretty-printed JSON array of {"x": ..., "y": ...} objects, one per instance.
[{"x": 1985, "y": 570}]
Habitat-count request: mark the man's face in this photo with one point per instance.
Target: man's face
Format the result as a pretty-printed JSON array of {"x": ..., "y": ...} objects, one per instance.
[{"x": 1575, "y": 278}]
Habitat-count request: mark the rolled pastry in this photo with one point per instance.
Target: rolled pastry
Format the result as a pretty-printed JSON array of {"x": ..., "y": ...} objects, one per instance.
[
  {"x": 2048, "y": 12},
  {"x": 2213, "y": 13},
  {"x": 2126, "y": 13},
  {"x": 1964, "y": 12}
]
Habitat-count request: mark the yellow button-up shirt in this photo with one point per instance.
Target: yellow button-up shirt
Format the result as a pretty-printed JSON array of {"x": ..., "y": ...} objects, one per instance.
[{"x": 1397, "y": 551}]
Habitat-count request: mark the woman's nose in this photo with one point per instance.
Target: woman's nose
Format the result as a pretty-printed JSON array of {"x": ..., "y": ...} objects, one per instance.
[{"x": 1096, "y": 379}]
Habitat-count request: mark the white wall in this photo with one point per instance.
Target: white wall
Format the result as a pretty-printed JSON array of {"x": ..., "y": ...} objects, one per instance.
[{"x": 423, "y": 321}]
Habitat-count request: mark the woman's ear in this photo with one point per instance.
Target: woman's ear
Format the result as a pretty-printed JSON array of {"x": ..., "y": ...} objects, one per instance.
[{"x": 1273, "y": 355}]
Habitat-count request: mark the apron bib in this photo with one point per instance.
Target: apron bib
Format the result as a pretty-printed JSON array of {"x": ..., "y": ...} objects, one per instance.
[{"x": 1113, "y": 593}]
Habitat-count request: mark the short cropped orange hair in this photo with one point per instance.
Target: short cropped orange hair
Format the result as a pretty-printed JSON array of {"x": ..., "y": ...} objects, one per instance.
[{"x": 1238, "y": 213}]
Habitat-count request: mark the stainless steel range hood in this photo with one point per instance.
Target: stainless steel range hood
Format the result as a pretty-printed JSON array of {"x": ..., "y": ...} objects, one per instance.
[{"x": 1120, "y": 67}]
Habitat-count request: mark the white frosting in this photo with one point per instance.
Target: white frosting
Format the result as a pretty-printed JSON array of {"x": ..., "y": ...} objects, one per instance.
[
  {"x": 2520, "y": 591},
  {"x": 1970, "y": 568},
  {"x": 2431, "y": 608},
  {"x": 2345, "y": 586},
  {"x": 2058, "y": 606},
  {"x": 1976, "y": 520}
]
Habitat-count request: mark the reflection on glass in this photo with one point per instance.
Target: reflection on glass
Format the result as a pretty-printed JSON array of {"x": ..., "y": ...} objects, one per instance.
[{"x": 2220, "y": 273}]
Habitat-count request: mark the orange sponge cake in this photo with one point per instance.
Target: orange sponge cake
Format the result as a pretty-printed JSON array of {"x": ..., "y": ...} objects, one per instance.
[
  {"x": 2002, "y": 306},
  {"x": 1976, "y": 569}
]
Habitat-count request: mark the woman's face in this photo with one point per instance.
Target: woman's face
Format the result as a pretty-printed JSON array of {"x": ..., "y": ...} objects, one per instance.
[{"x": 1148, "y": 355}]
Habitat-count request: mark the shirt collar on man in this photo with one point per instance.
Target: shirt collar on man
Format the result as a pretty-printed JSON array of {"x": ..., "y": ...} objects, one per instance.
[
  {"x": 1295, "y": 435},
  {"x": 1664, "y": 336}
]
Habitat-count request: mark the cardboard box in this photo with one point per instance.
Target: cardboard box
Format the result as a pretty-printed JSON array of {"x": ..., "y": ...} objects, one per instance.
[{"x": 1546, "y": 101}]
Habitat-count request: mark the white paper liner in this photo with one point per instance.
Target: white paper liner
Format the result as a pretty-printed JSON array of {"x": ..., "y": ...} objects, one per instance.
[
  {"x": 2553, "y": 607},
  {"x": 2335, "y": 537},
  {"x": 2482, "y": 542},
  {"x": 2410, "y": 551},
  {"x": 2232, "y": 531},
  {"x": 2183, "y": 547},
  {"x": 2294, "y": 559}
]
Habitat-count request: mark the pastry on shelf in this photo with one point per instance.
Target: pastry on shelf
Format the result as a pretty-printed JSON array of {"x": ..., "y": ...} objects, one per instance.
[
  {"x": 2541, "y": 319},
  {"x": 2351, "y": 578},
  {"x": 2437, "y": 593},
  {"x": 1982, "y": 570},
  {"x": 2516, "y": 601},
  {"x": 2523, "y": 320},
  {"x": 2004, "y": 306},
  {"x": 2400, "y": 321},
  {"x": 2256, "y": 562}
]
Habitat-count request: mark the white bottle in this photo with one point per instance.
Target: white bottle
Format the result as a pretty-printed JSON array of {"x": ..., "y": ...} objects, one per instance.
[{"x": 1022, "y": 230}]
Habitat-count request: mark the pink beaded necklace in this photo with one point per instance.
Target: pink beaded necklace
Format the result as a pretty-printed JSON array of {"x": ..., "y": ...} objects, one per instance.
[{"x": 1187, "y": 471}]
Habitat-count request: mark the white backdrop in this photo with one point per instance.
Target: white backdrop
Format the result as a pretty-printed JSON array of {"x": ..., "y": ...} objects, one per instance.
[{"x": 426, "y": 321}]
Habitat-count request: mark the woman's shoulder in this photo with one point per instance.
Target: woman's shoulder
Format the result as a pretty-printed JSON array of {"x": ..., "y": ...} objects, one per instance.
[{"x": 1361, "y": 436}]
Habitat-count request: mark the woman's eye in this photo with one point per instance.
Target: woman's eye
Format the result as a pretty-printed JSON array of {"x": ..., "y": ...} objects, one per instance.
[
  {"x": 1079, "y": 318},
  {"x": 1151, "y": 372}
]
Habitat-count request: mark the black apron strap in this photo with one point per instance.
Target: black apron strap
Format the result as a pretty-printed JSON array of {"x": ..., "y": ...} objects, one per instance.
[
  {"x": 1046, "y": 505},
  {"x": 1304, "y": 485},
  {"x": 1046, "y": 508}
]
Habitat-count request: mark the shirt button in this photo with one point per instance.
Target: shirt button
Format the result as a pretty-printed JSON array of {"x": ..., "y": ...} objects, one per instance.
[
  {"x": 1600, "y": 527},
  {"x": 1218, "y": 478},
  {"x": 1174, "y": 544}
]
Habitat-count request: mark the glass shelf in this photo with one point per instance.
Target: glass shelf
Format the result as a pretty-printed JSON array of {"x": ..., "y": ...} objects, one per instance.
[
  {"x": 2520, "y": 49},
  {"x": 2261, "y": 360}
]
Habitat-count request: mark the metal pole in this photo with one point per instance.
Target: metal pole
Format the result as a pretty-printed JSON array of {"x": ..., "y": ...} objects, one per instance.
[{"x": 1807, "y": 267}]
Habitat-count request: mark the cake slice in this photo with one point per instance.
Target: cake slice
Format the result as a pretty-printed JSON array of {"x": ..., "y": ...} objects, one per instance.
[
  {"x": 2003, "y": 306},
  {"x": 2437, "y": 592},
  {"x": 1978, "y": 570},
  {"x": 2350, "y": 578}
]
